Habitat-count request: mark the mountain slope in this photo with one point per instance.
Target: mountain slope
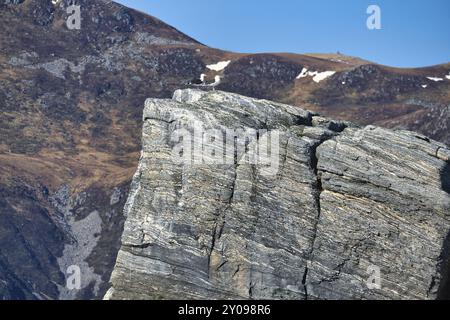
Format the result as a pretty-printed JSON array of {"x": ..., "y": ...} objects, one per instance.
[
  {"x": 71, "y": 115},
  {"x": 71, "y": 109}
]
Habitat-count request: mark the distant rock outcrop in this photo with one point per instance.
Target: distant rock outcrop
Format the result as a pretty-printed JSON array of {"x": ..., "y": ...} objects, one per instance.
[{"x": 341, "y": 212}]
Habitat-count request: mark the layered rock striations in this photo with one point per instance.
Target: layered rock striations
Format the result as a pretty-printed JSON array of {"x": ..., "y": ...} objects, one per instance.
[
  {"x": 70, "y": 123},
  {"x": 340, "y": 211}
]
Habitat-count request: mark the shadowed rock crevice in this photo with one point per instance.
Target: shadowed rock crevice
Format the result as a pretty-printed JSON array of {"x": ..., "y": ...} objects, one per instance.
[{"x": 316, "y": 193}]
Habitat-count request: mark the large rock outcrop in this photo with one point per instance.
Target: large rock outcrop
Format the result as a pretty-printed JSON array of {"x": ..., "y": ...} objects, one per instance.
[
  {"x": 339, "y": 211},
  {"x": 70, "y": 123}
]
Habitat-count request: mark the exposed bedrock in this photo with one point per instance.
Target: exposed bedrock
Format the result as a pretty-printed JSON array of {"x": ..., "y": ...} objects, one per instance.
[{"x": 339, "y": 212}]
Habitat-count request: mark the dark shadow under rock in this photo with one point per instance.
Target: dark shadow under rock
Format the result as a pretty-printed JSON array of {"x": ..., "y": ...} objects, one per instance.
[
  {"x": 444, "y": 289},
  {"x": 445, "y": 178}
]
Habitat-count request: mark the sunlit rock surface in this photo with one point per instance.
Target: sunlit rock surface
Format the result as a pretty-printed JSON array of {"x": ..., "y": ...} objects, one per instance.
[{"x": 344, "y": 213}]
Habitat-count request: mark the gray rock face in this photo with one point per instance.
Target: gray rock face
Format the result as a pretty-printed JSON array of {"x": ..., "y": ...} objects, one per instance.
[{"x": 338, "y": 212}]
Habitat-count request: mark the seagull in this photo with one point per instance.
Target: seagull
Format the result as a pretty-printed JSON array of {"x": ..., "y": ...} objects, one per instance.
[
  {"x": 198, "y": 82},
  {"x": 217, "y": 81}
]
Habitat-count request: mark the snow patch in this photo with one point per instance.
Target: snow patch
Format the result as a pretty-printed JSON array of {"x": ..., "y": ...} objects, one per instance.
[
  {"x": 219, "y": 66},
  {"x": 424, "y": 86},
  {"x": 317, "y": 76},
  {"x": 303, "y": 74},
  {"x": 323, "y": 75},
  {"x": 435, "y": 79},
  {"x": 448, "y": 76}
]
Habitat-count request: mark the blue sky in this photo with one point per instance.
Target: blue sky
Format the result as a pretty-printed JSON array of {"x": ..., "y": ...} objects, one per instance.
[{"x": 413, "y": 33}]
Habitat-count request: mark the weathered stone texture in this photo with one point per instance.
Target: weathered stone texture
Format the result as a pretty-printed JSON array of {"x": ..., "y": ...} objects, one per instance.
[{"x": 344, "y": 200}]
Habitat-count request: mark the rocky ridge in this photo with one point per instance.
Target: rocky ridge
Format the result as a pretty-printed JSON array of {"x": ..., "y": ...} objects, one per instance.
[{"x": 345, "y": 203}]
